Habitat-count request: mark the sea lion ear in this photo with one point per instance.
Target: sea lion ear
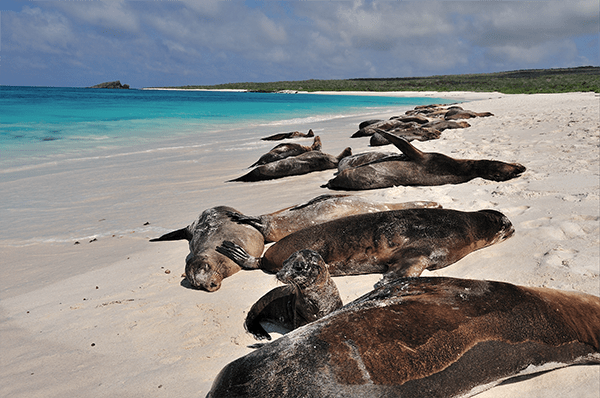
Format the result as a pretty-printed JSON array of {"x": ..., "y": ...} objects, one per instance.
[{"x": 410, "y": 151}]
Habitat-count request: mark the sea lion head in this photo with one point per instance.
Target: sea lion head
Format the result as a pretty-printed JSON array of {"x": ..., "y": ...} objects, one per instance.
[
  {"x": 500, "y": 223},
  {"x": 205, "y": 272},
  {"x": 500, "y": 171},
  {"x": 302, "y": 268}
]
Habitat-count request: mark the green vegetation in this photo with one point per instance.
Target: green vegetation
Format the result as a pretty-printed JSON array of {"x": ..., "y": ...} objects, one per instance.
[{"x": 585, "y": 78}]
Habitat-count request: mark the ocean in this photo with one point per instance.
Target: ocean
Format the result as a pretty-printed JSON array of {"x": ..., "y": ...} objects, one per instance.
[
  {"x": 40, "y": 124},
  {"x": 80, "y": 164}
]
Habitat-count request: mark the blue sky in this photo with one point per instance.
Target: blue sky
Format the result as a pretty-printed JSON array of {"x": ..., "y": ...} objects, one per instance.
[{"x": 166, "y": 43}]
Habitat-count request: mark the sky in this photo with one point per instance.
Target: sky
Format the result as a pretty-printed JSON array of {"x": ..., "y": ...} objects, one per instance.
[{"x": 173, "y": 43}]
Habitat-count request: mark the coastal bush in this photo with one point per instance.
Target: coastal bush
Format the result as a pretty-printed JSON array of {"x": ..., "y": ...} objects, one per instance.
[{"x": 585, "y": 78}]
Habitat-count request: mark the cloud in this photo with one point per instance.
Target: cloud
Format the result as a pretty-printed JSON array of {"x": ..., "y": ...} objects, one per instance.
[{"x": 188, "y": 42}]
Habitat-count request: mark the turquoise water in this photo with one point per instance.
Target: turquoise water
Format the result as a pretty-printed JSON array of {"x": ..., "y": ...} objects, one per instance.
[{"x": 41, "y": 123}]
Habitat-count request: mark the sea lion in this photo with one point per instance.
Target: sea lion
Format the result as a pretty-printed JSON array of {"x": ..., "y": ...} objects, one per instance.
[
  {"x": 454, "y": 114},
  {"x": 283, "y": 151},
  {"x": 277, "y": 225},
  {"x": 395, "y": 243},
  {"x": 293, "y": 134},
  {"x": 422, "y": 337},
  {"x": 409, "y": 134},
  {"x": 421, "y": 168},
  {"x": 442, "y": 125},
  {"x": 305, "y": 163},
  {"x": 204, "y": 267},
  {"x": 310, "y": 294},
  {"x": 358, "y": 159},
  {"x": 385, "y": 125}
]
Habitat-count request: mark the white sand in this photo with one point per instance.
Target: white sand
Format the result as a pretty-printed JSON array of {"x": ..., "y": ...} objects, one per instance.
[{"x": 104, "y": 319}]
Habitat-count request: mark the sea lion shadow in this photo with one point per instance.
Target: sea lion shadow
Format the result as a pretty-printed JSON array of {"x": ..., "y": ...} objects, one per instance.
[
  {"x": 520, "y": 378},
  {"x": 185, "y": 283}
]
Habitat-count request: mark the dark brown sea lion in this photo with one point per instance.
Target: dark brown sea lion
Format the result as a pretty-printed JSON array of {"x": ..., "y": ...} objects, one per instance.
[
  {"x": 310, "y": 294},
  {"x": 276, "y": 226},
  {"x": 293, "y": 134},
  {"x": 395, "y": 243},
  {"x": 205, "y": 268},
  {"x": 363, "y": 158},
  {"x": 421, "y": 168},
  {"x": 385, "y": 125},
  {"x": 305, "y": 163},
  {"x": 283, "y": 151},
  {"x": 423, "y": 337},
  {"x": 409, "y": 134}
]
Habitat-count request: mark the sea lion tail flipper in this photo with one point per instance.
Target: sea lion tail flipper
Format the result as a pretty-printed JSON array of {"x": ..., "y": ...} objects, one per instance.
[
  {"x": 248, "y": 220},
  {"x": 238, "y": 255},
  {"x": 180, "y": 234},
  {"x": 409, "y": 150}
]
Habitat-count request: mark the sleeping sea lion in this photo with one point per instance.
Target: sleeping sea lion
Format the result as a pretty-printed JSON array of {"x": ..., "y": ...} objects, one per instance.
[
  {"x": 409, "y": 134},
  {"x": 283, "y": 151},
  {"x": 293, "y": 134},
  {"x": 422, "y": 337},
  {"x": 277, "y": 225},
  {"x": 358, "y": 159},
  {"x": 454, "y": 114},
  {"x": 421, "y": 168},
  {"x": 385, "y": 125},
  {"x": 310, "y": 294},
  {"x": 305, "y": 163},
  {"x": 204, "y": 267},
  {"x": 395, "y": 243},
  {"x": 442, "y": 125}
]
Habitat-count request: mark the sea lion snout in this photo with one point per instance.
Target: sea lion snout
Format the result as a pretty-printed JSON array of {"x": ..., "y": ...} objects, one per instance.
[
  {"x": 201, "y": 275},
  {"x": 301, "y": 268}
]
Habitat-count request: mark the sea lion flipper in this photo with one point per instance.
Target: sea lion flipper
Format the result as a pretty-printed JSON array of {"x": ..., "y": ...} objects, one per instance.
[
  {"x": 238, "y": 255},
  {"x": 409, "y": 150},
  {"x": 243, "y": 219},
  {"x": 180, "y": 234},
  {"x": 275, "y": 307}
]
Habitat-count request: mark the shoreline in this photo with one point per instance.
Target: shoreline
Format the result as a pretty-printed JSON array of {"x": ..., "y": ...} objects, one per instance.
[
  {"x": 458, "y": 95},
  {"x": 107, "y": 318}
]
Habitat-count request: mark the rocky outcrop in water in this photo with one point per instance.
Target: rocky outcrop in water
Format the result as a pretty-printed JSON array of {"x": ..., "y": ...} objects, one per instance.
[{"x": 115, "y": 84}]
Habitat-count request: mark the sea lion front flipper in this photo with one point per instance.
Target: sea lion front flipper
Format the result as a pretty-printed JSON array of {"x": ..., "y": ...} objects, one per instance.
[
  {"x": 238, "y": 255},
  {"x": 403, "y": 145},
  {"x": 409, "y": 263},
  {"x": 180, "y": 234},
  {"x": 275, "y": 307},
  {"x": 249, "y": 220}
]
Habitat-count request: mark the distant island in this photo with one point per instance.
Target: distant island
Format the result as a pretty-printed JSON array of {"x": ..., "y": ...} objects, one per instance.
[
  {"x": 115, "y": 84},
  {"x": 560, "y": 80}
]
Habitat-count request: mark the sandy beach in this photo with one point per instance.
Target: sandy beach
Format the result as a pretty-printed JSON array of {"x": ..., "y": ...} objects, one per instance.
[{"x": 109, "y": 316}]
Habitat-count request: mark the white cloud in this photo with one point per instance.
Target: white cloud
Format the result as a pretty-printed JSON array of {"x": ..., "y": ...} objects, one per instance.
[{"x": 216, "y": 41}]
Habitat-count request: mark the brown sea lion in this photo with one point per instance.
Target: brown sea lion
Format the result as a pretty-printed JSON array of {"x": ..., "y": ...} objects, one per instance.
[
  {"x": 310, "y": 294},
  {"x": 276, "y": 226},
  {"x": 293, "y": 134},
  {"x": 460, "y": 113},
  {"x": 409, "y": 134},
  {"x": 442, "y": 125},
  {"x": 421, "y": 168},
  {"x": 363, "y": 158},
  {"x": 395, "y": 243},
  {"x": 305, "y": 163},
  {"x": 423, "y": 337},
  {"x": 204, "y": 267},
  {"x": 385, "y": 125},
  {"x": 283, "y": 151}
]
